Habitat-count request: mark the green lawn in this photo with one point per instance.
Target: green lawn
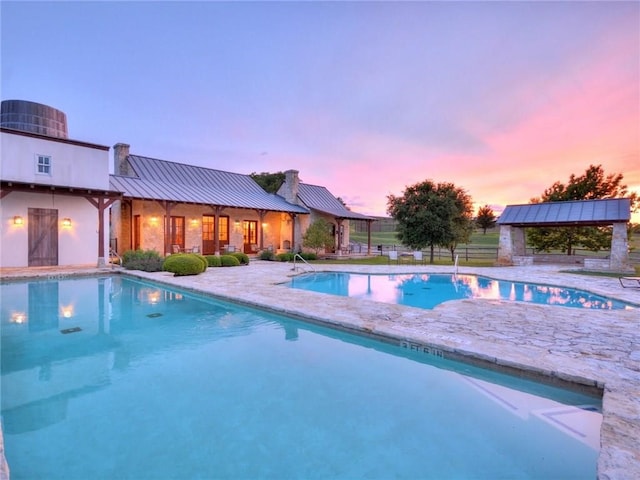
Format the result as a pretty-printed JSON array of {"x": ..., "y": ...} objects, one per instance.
[{"x": 478, "y": 239}]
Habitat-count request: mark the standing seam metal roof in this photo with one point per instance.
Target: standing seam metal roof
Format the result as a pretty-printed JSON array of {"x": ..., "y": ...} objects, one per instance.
[
  {"x": 579, "y": 212},
  {"x": 321, "y": 199},
  {"x": 163, "y": 180}
]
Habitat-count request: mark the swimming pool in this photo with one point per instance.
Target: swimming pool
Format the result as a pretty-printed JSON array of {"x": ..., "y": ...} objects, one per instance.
[
  {"x": 429, "y": 290},
  {"x": 116, "y": 378}
]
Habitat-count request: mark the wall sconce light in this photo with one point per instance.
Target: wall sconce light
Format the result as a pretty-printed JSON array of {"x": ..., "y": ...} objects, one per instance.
[
  {"x": 66, "y": 222},
  {"x": 18, "y": 220},
  {"x": 194, "y": 222},
  {"x": 264, "y": 224},
  {"x": 237, "y": 222},
  {"x": 153, "y": 220}
]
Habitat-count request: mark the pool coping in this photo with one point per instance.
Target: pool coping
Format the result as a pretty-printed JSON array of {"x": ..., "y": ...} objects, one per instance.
[{"x": 588, "y": 350}]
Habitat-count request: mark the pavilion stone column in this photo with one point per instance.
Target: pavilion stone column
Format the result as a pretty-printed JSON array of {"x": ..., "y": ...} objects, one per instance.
[
  {"x": 505, "y": 246},
  {"x": 517, "y": 237},
  {"x": 619, "y": 258}
]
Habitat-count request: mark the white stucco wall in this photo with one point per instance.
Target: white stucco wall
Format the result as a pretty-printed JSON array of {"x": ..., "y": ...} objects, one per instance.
[
  {"x": 77, "y": 245},
  {"x": 71, "y": 164}
]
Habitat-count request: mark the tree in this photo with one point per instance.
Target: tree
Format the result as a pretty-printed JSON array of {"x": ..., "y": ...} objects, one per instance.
[
  {"x": 318, "y": 235},
  {"x": 485, "y": 218},
  {"x": 430, "y": 214},
  {"x": 593, "y": 184},
  {"x": 270, "y": 182}
]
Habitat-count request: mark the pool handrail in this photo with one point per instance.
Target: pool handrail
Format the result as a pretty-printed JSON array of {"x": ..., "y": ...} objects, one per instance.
[
  {"x": 297, "y": 255},
  {"x": 455, "y": 268}
]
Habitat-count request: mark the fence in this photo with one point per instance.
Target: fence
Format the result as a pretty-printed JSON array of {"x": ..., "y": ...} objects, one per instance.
[{"x": 470, "y": 253}]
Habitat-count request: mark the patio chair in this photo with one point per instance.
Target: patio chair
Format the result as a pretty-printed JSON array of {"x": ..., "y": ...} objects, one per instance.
[
  {"x": 630, "y": 282},
  {"x": 393, "y": 256}
]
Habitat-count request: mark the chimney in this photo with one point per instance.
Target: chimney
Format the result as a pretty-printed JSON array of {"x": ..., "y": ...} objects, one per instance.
[
  {"x": 120, "y": 163},
  {"x": 289, "y": 189}
]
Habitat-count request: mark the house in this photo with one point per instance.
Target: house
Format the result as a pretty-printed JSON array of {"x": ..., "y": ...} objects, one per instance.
[
  {"x": 60, "y": 206},
  {"x": 54, "y": 200},
  {"x": 171, "y": 207}
]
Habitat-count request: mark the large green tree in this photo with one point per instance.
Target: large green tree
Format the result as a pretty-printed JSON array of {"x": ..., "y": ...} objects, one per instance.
[
  {"x": 430, "y": 215},
  {"x": 270, "y": 182},
  {"x": 485, "y": 218},
  {"x": 593, "y": 184}
]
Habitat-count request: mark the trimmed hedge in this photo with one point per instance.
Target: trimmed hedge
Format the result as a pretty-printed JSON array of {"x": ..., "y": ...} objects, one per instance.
[
  {"x": 229, "y": 261},
  {"x": 205, "y": 262},
  {"x": 145, "y": 260},
  {"x": 182, "y": 264},
  {"x": 213, "y": 260},
  {"x": 243, "y": 258},
  {"x": 285, "y": 257},
  {"x": 288, "y": 256}
]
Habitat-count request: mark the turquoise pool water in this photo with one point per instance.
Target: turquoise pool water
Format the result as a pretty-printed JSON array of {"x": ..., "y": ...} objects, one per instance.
[
  {"x": 430, "y": 290},
  {"x": 113, "y": 378}
]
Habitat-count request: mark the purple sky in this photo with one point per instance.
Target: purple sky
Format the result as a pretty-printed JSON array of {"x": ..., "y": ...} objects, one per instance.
[{"x": 500, "y": 98}]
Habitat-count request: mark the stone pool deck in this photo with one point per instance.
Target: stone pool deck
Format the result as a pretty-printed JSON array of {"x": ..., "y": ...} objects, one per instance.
[{"x": 596, "y": 349}]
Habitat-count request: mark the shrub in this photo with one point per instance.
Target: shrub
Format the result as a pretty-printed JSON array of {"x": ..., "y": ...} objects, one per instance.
[
  {"x": 243, "y": 258},
  {"x": 285, "y": 257},
  {"x": 309, "y": 256},
  {"x": 183, "y": 264},
  {"x": 266, "y": 255},
  {"x": 145, "y": 260},
  {"x": 213, "y": 260},
  {"x": 204, "y": 261},
  {"x": 229, "y": 261}
]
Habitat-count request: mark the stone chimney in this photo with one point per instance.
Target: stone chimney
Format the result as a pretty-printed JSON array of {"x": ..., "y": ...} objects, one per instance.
[
  {"x": 120, "y": 164},
  {"x": 289, "y": 189}
]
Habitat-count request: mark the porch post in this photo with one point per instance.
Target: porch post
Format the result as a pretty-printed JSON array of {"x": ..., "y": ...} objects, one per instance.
[
  {"x": 101, "y": 205},
  {"x": 293, "y": 231},
  {"x": 369, "y": 222},
  {"x": 261, "y": 215}
]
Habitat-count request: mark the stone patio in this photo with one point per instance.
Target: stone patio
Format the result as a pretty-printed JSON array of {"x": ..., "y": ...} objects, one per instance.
[{"x": 594, "y": 349}]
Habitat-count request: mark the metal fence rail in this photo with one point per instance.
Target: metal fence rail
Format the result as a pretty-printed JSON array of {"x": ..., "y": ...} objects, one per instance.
[{"x": 468, "y": 253}]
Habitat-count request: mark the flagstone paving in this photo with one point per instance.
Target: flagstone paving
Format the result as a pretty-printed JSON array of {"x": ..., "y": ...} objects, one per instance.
[{"x": 595, "y": 349}]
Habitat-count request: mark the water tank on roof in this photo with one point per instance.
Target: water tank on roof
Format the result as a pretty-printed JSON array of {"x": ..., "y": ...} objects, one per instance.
[{"x": 33, "y": 117}]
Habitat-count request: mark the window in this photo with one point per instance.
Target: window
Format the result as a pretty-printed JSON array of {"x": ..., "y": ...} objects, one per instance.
[{"x": 43, "y": 164}]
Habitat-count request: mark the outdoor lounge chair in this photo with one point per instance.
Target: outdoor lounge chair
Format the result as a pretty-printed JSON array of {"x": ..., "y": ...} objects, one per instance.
[
  {"x": 630, "y": 282},
  {"x": 393, "y": 256}
]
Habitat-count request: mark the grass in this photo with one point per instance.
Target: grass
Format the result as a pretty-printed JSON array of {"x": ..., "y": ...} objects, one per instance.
[{"x": 478, "y": 239}]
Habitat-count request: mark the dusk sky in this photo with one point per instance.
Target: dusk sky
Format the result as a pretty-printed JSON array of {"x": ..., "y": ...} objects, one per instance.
[{"x": 365, "y": 98}]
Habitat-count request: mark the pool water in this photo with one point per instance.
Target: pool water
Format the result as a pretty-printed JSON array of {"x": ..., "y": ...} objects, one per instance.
[
  {"x": 430, "y": 290},
  {"x": 116, "y": 378}
]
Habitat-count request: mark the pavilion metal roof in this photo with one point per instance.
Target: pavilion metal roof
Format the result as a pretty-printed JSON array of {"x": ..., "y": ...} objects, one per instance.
[
  {"x": 321, "y": 199},
  {"x": 163, "y": 180},
  {"x": 572, "y": 213}
]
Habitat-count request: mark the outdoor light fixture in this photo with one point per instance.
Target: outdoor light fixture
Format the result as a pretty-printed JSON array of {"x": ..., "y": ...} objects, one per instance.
[
  {"x": 194, "y": 222},
  {"x": 66, "y": 222},
  {"x": 264, "y": 225},
  {"x": 18, "y": 220}
]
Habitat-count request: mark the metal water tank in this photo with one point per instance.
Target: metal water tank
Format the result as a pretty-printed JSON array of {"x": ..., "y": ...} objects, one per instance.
[{"x": 33, "y": 117}]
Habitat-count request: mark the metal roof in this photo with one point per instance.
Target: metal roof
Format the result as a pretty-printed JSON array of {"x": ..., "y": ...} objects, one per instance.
[
  {"x": 579, "y": 212},
  {"x": 163, "y": 180},
  {"x": 321, "y": 199}
]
